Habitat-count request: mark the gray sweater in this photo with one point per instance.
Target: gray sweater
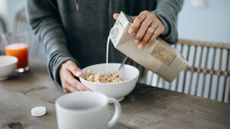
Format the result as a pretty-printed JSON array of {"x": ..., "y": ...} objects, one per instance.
[{"x": 77, "y": 29}]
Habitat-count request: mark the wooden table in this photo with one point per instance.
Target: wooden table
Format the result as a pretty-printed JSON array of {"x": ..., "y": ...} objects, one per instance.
[{"x": 145, "y": 108}]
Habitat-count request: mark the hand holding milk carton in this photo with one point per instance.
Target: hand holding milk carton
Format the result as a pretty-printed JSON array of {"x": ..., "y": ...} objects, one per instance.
[{"x": 159, "y": 57}]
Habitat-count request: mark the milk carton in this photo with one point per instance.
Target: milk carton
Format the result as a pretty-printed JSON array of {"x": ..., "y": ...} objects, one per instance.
[{"x": 159, "y": 57}]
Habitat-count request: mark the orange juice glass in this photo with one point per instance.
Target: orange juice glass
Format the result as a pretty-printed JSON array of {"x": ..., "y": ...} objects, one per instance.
[{"x": 19, "y": 50}]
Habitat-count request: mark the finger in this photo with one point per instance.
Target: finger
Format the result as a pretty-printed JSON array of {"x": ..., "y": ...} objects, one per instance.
[
  {"x": 65, "y": 90},
  {"x": 145, "y": 44},
  {"x": 143, "y": 30},
  {"x": 72, "y": 67},
  {"x": 154, "y": 36},
  {"x": 72, "y": 81},
  {"x": 147, "y": 37},
  {"x": 82, "y": 87},
  {"x": 159, "y": 30},
  {"x": 136, "y": 23},
  {"x": 115, "y": 16},
  {"x": 69, "y": 88},
  {"x": 63, "y": 75},
  {"x": 76, "y": 84}
]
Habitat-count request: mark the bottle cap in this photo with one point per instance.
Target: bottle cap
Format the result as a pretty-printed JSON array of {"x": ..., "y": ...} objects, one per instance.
[{"x": 38, "y": 111}]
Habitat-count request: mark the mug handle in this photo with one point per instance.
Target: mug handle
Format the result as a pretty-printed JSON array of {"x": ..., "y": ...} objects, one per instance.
[{"x": 117, "y": 112}]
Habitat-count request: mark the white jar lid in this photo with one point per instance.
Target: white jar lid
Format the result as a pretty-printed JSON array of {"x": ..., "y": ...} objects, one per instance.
[{"x": 38, "y": 111}]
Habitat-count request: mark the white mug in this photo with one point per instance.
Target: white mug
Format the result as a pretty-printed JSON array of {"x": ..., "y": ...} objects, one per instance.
[{"x": 85, "y": 110}]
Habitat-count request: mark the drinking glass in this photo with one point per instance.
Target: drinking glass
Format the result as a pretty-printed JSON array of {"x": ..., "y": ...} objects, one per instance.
[{"x": 17, "y": 46}]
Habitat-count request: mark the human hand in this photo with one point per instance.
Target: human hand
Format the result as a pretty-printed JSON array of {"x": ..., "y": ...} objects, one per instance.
[
  {"x": 68, "y": 73},
  {"x": 146, "y": 26}
]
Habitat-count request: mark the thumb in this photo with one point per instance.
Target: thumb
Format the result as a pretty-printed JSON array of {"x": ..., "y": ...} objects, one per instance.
[
  {"x": 115, "y": 15},
  {"x": 72, "y": 67},
  {"x": 77, "y": 72}
]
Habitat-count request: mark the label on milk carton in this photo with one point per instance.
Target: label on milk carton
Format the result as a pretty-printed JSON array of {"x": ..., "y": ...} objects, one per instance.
[{"x": 163, "y": 53}]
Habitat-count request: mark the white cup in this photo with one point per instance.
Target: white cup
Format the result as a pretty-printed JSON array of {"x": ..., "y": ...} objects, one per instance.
[{"x": 85, "y": 110}]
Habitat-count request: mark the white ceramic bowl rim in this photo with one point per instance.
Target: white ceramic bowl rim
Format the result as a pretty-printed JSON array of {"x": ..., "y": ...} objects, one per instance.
[
  {"x": 123, "y": 81},
  {"x": 10, "y": 59}
]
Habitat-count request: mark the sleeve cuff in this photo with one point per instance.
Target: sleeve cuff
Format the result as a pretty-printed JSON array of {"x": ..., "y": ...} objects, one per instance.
[
  {"x": 163, "y": 21},
  {"x": 170, "y": 34}
]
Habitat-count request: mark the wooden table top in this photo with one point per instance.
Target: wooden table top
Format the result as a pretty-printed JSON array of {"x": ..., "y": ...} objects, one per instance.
[{"x": 145, "y": 108}]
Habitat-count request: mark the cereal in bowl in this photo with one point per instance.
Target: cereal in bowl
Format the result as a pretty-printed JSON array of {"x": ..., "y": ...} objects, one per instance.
[{"x": 102, "y": 78}]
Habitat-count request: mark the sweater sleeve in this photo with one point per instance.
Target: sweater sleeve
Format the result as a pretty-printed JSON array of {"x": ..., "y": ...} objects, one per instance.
[
  {"x": 46, "y": 25},
  {"x": 167, "y": 11}
]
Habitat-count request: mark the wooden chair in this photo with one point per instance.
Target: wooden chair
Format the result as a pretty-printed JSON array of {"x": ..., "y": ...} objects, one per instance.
[{"x": 208, "y": 72}]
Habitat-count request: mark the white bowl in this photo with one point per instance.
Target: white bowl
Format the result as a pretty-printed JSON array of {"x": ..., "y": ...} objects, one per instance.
[
  {"x": 8, "y": 65},
  {"x": 129, "y": 74}
]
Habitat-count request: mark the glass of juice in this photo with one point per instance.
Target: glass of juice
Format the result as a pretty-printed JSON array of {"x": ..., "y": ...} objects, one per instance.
[{"x": 17, "y": 46}]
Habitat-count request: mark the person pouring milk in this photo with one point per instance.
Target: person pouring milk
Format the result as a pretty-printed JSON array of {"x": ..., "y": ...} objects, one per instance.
[{"x": 74, "y": 32}]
